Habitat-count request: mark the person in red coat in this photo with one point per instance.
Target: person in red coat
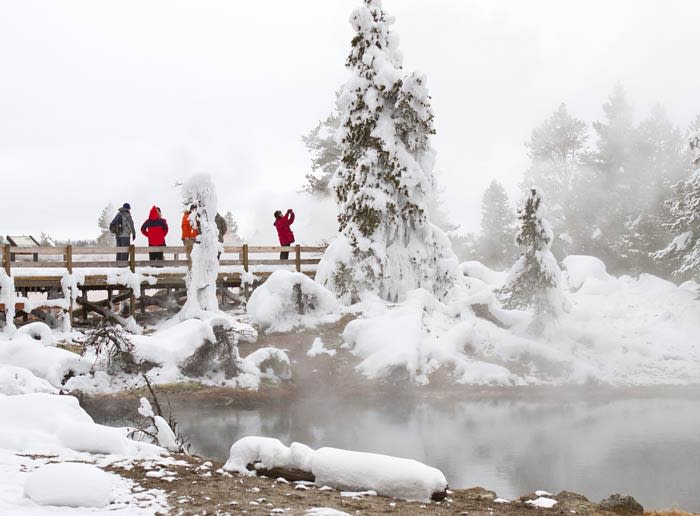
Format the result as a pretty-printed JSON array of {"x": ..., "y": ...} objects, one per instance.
[
  {"x": 284, "y": 232},
  {"x": 155, "y": 228}
]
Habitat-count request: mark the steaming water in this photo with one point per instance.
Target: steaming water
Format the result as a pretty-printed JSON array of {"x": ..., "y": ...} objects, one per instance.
[{"x": 646, "y": 447}]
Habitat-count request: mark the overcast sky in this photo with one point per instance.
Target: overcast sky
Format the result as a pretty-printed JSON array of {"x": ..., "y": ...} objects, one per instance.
[{"x": 113, "y": 101}]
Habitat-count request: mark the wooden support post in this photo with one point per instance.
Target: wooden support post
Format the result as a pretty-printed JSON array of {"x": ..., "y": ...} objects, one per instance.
[
  {"x": 68, "y": 257},
  {"x": 132, "y": 267},
  {"x": 6, "y": 259},
  {"x": 297, "y": 258},
  {"x": 143, "y": 299},
  {"x": 244, "y": 256},
  {"x": 84, "y": 295}
]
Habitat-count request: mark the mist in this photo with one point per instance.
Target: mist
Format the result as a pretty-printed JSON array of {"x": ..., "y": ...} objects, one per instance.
[{"x": 115, "y": 103}]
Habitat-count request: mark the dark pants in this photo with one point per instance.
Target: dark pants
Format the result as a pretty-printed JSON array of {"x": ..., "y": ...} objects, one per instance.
[
  {"x": 155, "y": 256},
  {"x": 284, "y": 255},
  {"x": 123, "y": 242}
]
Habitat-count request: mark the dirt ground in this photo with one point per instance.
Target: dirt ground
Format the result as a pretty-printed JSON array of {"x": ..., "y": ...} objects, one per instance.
[{"x": 202, "y": 488}]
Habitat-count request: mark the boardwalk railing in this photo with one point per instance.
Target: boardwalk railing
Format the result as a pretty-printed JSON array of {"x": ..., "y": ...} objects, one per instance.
[{"x": 71, "y": 258}]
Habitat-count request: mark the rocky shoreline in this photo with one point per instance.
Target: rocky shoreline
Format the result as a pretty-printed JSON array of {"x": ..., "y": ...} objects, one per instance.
[{"x": 197, "y": 486}]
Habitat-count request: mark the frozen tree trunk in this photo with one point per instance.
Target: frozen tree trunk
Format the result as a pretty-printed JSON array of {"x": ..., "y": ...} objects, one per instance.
[
  {"x": 8, "y": 297},
  {"x": 199, "y": 190}
]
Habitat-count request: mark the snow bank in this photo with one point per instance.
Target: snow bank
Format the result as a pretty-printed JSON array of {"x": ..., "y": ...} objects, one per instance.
[
  {"x": 37, "y": 331},
  {"x": 46, "y": 362},
  {"x": 578, "y": 269},
  {"x": 70, "y": 484},
  {"x": 289, "y": 300},
  {"x": 388, "y": 476},
  {"x": 342, "y": 469},
  {"x": 617, "y": 331},
  {"x": 478, "y": 270},
  {"x": 18, "y": 380}
]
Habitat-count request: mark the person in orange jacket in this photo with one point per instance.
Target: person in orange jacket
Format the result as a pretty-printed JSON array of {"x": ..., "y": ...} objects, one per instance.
[{"x": 189, "y": 233}]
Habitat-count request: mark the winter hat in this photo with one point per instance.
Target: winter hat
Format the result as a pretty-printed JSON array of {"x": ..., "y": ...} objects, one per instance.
[{"x": 127, "y": 206}]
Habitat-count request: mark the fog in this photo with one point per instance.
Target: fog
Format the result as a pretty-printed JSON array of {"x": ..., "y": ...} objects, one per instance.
[{"x": 111, "y": 102}]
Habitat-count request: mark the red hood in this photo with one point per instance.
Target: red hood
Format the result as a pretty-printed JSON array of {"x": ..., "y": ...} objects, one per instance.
[{"x": 153, "y": 215}]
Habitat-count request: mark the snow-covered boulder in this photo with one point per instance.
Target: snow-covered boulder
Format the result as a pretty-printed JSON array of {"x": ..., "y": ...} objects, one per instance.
[
  {"x": 19, "y": 380},
  {"x": 289, "y": 300},
  {"x": 70, "y": 484},
  {"x": 580, "y": 268},
  {"x": 389, "y": 476}
]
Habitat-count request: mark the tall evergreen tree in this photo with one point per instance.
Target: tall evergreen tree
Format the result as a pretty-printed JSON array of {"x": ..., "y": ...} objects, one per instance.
[
  {"x": 325, "y": 153},
  {"x": 495, "y": 245},
  {"x": 683, "y": 253},
  {"x": 386, "y": 242},
  {"x": 556, "y": 148},
  {"x": 534, "y": 279}
]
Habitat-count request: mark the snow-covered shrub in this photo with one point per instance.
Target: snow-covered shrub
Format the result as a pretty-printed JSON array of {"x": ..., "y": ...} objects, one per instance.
[
  {"x": 156, "y": 429},
  {"x": 111, "y": 348},
  {"x": 291, "y": 299},
  {"x": 199, "y": 190},
  {"x": 534, "y": 280},
  {"x": 386, "y": 244}
]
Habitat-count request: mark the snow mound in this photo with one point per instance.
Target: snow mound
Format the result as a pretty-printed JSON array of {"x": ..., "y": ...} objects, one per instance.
[
  {"x": 289, "y": 300},
  {"x": 46, "y": 362},
  {"x": 388, "y": 476},
  {"x": 478, "y": 270},
  {"x": 319, "y": 348},
  {"x": 37, "y": 331},
  {"x": 325, "y": 511},
  {"x": 340, "y": 469},
  {"x": 93, "y": 438},
  {"x": 580, "y": 268},
  {"x": 18, "y": 380},
  {"x": 70, "y": 484}
]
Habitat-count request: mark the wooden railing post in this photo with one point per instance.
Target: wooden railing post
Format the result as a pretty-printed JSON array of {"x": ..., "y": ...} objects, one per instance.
[
  {"x": 245, "y": 257},
  {"x": 132, "y": 267},
  {"x": 6, "y": 258},
  {"x": 68, "y": 257},
  {"x": 297, "y": 258},
  {"x": 132, "y": 258}
]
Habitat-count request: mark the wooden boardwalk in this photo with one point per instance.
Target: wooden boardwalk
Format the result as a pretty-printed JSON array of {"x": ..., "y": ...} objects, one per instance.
[{"x": 161, "y": 282}]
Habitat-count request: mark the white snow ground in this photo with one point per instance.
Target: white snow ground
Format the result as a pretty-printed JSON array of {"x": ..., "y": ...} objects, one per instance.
[{"x": 43, "y": 437}]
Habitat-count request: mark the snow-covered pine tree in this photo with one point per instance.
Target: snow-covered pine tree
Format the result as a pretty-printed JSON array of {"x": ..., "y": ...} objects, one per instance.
[
  {"x": 386, "y": 243},
  {"x": 534, "y": 279},
  {"x": 495, "y": 245},
  {"x": 684, "y": 250},
  {"x": 325, "y": 153},
  {"x": 106, "y": 238},
  {"x": 201, "y": 278}
]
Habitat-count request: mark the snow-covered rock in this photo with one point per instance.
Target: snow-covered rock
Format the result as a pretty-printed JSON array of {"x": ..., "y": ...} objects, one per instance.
[
  {"x": 266, "y": 451},
  {"x": 70, "y": 484},
  {"x": 289, "y": 300}
]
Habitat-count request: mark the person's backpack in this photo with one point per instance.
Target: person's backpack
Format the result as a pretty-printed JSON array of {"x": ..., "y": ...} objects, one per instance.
[{"x": 116, "y": 226}]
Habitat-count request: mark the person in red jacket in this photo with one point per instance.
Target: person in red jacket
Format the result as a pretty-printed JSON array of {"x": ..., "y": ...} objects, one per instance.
[
  {"x": 155, "y": 228},
  {"x": 284, "y": 232}
]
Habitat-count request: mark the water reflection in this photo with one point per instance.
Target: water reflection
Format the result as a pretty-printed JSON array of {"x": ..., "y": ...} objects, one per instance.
[{"x": 649, "y": 448}]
